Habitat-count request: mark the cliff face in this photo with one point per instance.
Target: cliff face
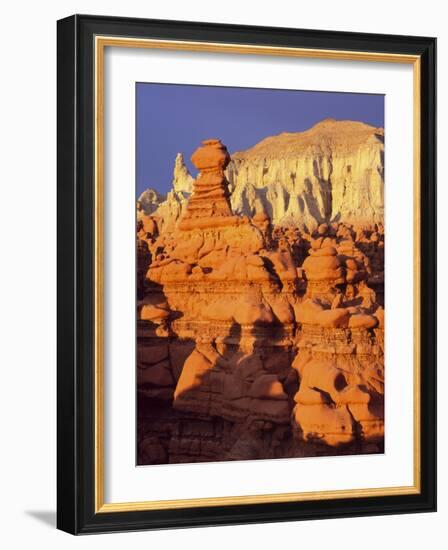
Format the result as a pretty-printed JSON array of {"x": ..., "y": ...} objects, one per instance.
[{"x": 332, "y": 172}]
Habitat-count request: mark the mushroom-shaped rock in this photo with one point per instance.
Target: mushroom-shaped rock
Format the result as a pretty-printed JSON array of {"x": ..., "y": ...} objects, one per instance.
[
  {"x": 192, "y": 377},
  {"x": 328, "y": 242},
  {"x": 315, "y": 265},
  {"x": 254, "y": 260},
  {"x": 251, "y": 311},
  {"x": 258, "y": 274},
  {"x": 281, "y": 309},
  {"x": 321, "y": 375},
  {"x": 322, "y": 229},
  {"x": 333, "y": 318},
  {"x": 153, "y": 313},
  {"x": 284, "y": 265},
  {"x": 316, "y": 243},
  {"x": 329, "y": 251},
  {"x": 362, "y": 320},
  {"x": 267, "y": 386},
  {"x": 212, "y": 155},
  {"x": 263, "y": 222},
  {"x": 307, "y": 311},
  {"x": 367, "y": 409},
  {"x": 209, "y": 203},
  {"x": 326, "y": 424}
]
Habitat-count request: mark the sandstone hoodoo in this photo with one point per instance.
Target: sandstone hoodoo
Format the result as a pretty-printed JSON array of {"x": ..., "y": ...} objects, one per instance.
[
  {"x": 210, "y": 197},
  {"x": 259, "y": 339}
]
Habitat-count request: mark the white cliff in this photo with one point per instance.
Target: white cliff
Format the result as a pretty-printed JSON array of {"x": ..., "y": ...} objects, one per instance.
[{"x": 333, "y": 171}]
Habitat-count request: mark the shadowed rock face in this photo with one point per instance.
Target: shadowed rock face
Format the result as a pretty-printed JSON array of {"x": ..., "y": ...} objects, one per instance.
[{"x": 254, "y": 340}]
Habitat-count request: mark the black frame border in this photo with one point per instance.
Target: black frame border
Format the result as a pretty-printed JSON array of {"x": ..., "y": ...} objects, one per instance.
[{"x": 76, "y": 264}]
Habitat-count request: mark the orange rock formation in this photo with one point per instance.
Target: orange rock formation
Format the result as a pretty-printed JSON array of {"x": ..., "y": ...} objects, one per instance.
[
  {"x": 256, "y": 341},
  {"x": 210, "y": 194}
]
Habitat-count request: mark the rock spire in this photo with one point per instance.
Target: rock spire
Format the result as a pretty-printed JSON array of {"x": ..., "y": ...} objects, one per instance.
[{"x": 211, "y": 197}]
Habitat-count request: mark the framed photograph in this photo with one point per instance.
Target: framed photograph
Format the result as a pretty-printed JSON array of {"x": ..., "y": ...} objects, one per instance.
[{"x": 246, "y": 266}]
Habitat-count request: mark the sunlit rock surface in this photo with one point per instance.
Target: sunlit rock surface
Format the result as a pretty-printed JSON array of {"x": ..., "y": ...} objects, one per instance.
[
  {"x": 258, "y": 339},
  {"x": 332, "y": 172}
]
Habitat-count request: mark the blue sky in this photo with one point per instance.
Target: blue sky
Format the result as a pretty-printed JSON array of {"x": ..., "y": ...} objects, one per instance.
[{"x": 172, "y": 118}]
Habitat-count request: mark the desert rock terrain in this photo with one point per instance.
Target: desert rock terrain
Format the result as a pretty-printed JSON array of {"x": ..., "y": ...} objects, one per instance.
[{"x": 260, "y": 323}]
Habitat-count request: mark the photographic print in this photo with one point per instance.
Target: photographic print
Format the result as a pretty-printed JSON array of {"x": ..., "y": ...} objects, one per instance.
[
  {"x": 226, "y": 295},
  {"x": 260, "y": 273}
]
